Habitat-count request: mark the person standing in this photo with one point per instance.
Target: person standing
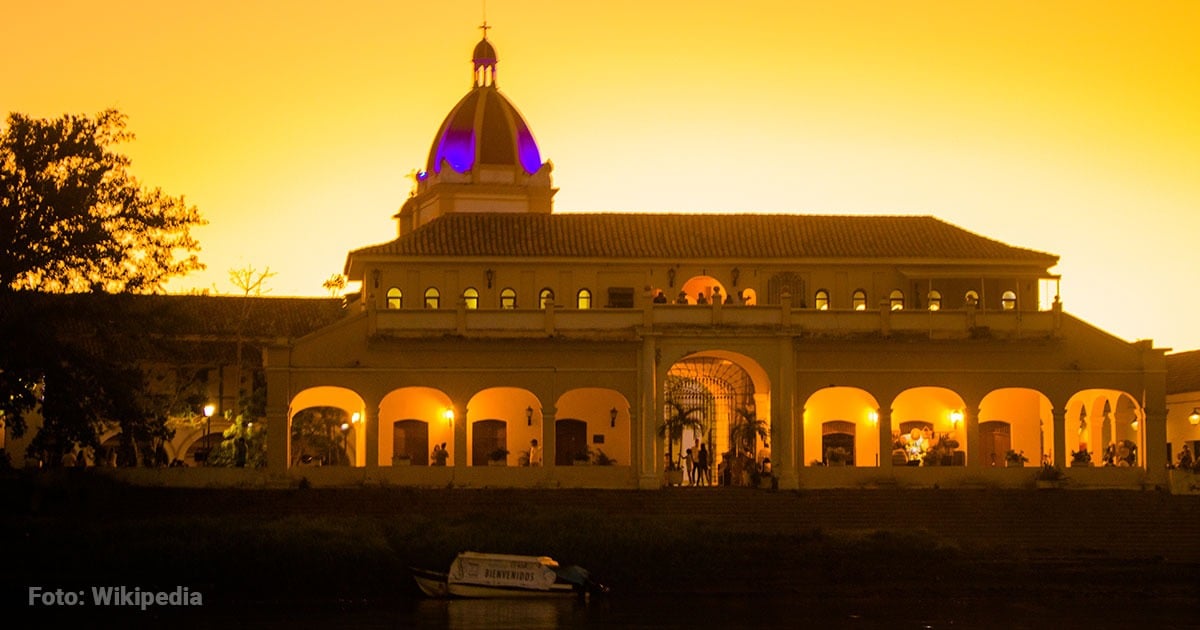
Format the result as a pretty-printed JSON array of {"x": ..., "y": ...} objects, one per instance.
[
  {"x": 702, "y": 460},
  {"x": 690, "y": 465},
  {"x": 535, "y": 453}
]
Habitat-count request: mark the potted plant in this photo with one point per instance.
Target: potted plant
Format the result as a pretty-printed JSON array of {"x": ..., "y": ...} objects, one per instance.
[
  {"x": 837, "y": 456},
  {"x": 1050, "y": 477},
  {"x": 1015, "y": 459},
  {"x": 498, "y": 457},
  {"x": 1081, "y": 458},
  {"x": 582, "y": 458},
  {"x": 602, "y": 459}
]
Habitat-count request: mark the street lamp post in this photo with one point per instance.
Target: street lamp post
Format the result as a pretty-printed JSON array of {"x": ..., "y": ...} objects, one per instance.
[{"x": 208, "y": 414}]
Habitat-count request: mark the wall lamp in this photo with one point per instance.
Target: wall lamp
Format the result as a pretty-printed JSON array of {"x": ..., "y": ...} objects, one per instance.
[
  {"x": 529, "y": 416},
  {"x": 955, "y": 417},
  {"x": 1195, "y": 417},
  {"x": 449, "y": 416},
  {"x": 612, "y": 417}
]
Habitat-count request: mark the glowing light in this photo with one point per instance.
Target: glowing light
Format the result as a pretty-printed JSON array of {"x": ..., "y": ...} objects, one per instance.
[
  {"x": 956, "y": 416},
  {"x": 356, "y": 417},
  {"x": 873, "y": 416},
  {"x": 1195, "y": 417},
  {"x": 449, "y": 416},
  {"x": 209, "y": 410}
]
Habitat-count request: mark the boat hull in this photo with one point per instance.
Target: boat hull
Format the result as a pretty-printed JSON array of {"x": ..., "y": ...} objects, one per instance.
[{"x": 434, "y": 584}]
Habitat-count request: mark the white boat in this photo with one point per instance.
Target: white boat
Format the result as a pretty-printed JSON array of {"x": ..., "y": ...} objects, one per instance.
[{"x": 493, "y": 575}]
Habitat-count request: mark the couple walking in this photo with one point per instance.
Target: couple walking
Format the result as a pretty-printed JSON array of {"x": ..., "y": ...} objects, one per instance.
[{"x": 696, "y": 461}]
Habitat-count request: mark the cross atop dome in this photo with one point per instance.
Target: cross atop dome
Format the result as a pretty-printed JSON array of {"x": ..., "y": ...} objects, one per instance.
[{"x": 484, "y": 59}]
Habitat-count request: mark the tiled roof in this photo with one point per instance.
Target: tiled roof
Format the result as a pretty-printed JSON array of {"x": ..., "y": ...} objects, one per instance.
[
  {"x": 689, "y": 236},
  {"x": 1183, "y": 372}
]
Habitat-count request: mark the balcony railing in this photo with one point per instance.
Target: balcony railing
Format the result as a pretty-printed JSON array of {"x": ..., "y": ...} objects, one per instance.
[{"x": 671, "y": 318}]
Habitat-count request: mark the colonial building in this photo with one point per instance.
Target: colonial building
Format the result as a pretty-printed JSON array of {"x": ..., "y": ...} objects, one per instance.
[{"x": 847, "y": 350}]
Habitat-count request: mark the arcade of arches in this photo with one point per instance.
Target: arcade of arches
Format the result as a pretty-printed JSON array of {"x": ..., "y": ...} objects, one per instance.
[{"x": 729, "y": 398}]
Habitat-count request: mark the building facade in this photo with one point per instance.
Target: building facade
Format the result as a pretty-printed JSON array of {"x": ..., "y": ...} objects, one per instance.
[{"x": 825, "y": 350}]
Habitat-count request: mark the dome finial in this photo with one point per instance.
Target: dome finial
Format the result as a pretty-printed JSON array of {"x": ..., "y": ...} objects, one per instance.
[{"x": 484, "y": 60}]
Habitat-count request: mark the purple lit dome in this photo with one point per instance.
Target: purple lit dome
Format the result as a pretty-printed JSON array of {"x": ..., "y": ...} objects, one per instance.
[{"x": 484, "y": 127}]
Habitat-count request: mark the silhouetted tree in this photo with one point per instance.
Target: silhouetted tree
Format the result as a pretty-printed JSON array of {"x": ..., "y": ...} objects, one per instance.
[{"x": 72, "y": 219}]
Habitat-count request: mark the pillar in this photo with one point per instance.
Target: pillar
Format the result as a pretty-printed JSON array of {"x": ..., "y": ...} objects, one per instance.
[
  {"x": 970, "y": 425},
  {"x": 1060, "y": 437},
  {"x": 787, "y": 426},
  {"x": 548, "y": 436},
  {"x": 885, "y": 439},
  {"x": 460, "y": 456},
  {"x": 279, "y": 454},
  {"x": 642, "y": 430}
]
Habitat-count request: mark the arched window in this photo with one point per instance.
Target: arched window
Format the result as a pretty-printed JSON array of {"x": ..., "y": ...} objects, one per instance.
[
  {"x": 544, "y": 296},
  {"x": 395, "y": 298},
  {"x": 859, "y": 301},
  {"x": 821, "y": 300},
  {"x": 1008, "y": 301},
  {"x": 508, "y": 298},
  {"x": 583, "y": 299},
  {"x": 896, "y": 300},
  {"x": 433, "y": 298},
  {"x": 935, "y": 301},
  {"x": 971, "y": 298},
  {"x": 471, "y": 298}
]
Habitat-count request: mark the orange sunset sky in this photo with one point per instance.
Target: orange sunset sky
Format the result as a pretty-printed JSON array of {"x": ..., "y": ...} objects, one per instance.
[{"x": 1067, "y": 127}]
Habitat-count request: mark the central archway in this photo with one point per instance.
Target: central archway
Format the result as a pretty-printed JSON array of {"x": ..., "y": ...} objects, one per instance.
[{"x": 716, "y": 403}]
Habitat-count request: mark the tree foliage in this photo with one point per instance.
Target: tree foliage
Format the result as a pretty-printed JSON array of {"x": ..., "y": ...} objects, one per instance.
[
  {"x": 72, "y": 220},
  {"x": 72, "y": 217}
]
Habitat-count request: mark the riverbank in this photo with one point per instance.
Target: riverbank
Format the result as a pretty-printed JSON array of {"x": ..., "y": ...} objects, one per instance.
[{"x": 357, "y": 544}]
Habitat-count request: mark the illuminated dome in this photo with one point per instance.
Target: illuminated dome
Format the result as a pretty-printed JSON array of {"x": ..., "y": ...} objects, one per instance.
[{"x": 484, "y": 127}]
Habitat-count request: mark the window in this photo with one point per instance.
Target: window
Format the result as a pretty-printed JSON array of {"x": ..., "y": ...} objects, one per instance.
[
  {"x": 1008, "y": 301},
  {"x": 433, "y": 298},
  {"x": 935, "y": 301},
  {"x": 821, "y": 300},
  {"x": 583, "y": 299},
  {"x": 971, "y": 298},
  {"x": 859, "y": 301},
  {"x": 395, "y": 298},
  {"x": 471, "y": 298},
  {"x": 544, "y": 296},
  {"x": 508, "y": 298},
  {"x": 896, "y": 300},
  {"x": 620, "y": 297}
]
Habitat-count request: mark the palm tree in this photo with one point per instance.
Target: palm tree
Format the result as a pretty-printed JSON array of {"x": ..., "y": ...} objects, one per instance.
[
  {"x": 748, "y": 427},
  {"x": 678, "y": 419}
]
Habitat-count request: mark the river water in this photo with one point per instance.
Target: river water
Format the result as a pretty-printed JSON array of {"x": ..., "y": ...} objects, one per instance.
[{"x": 921, "y": 612}]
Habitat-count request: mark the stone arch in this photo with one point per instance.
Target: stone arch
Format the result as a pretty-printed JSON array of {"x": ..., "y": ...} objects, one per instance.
[
  {"x": 423, "y": 404},
  {"x": 604, "y": 413},
  {"x": 517, "y": 409},
  {"x": 1028, "y": 415},
  {"x": 937, "y": 435},
  {"x": 350, "y": 439},
  {"x": 1102, "y": 425},
  {"x": 850, "y": 405},
  {"x": 702, "y": 285},
  {"x": 731, "y": 392}
]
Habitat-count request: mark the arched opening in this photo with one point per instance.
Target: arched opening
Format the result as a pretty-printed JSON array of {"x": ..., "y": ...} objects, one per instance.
[
  {"x": 786, "y": 282},
  {"x": 844, "y": 411},
  {"x": 858, "y": 301},
  {"x": 395, "y": 298},
  {"x": 583, "y": 299},
  {"x": 511, "y": 418},
  {"x": 433, "y": 298},
  {"x": 701, "y": 290},
  {"x": 1027, "y": 413},
  {"x": 420, "y": 413},
  {"x": 1107, "y": 429},
  {"x": 821, "y": 300},
  {"x": 471, "y": 298},
  {"x": 508, "y": 298},
  {"x": 896, "y": 300},
  {"x": 604, "y": 435},
  {"x": 325, "y": 428},
  {"x": 717, "y": 404},
  {"x": 928, "y": 427}
]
